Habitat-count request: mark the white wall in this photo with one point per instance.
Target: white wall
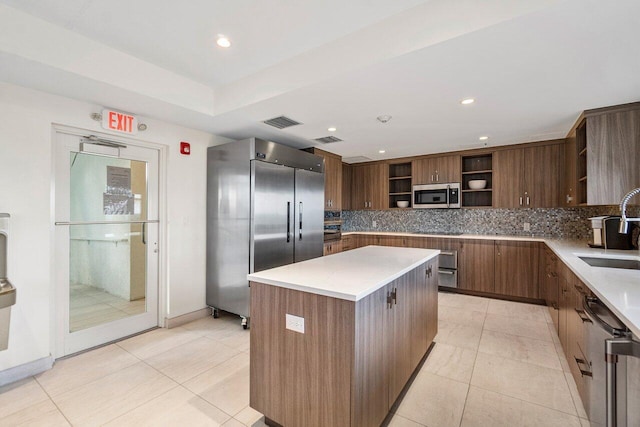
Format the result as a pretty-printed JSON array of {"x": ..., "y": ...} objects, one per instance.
[{"x": 26, "y": 189}]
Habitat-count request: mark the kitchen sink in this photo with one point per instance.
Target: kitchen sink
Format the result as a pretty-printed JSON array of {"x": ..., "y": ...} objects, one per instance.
[{"x": 629, "y": 264}]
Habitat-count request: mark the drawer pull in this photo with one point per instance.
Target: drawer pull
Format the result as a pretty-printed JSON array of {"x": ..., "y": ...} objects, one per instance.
[
  {"x": 579, "y": 289},
  {"x": 580, "y": 362}
]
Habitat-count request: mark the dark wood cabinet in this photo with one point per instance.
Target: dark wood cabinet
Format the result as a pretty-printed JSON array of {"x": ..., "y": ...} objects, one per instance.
[
  {"x": 369, "y": 186},
  {"x": 529, "y": 177},
  {"x": 433, "y": 170},
  {"x": 612, "y": 155},
  {"x": 332, "y": 179},
  {"x": 549, "y": 283},
  {"x": 332, "y": 247},
  {"x": 346, "y": 187},
  {"x": 516, "y": 268},
  {"x": 476, "y": 271}
]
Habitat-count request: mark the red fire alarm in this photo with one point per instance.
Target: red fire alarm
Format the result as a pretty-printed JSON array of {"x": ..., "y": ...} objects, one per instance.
[{"x": 185, "y": 148}]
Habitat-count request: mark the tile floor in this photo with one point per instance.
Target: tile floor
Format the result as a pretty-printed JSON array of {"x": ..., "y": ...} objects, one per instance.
[
  {"x": 90, "y": 306},
  {"x": 495, "y": 363}
]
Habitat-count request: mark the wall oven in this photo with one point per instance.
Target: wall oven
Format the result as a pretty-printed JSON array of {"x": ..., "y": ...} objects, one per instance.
[{"x": 442, "y": 196}]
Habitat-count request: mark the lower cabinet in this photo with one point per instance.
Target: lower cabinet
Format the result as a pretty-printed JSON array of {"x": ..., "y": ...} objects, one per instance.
[
  {"x": 476, "y": 266},
  {"x": 332, "y": 247},
  {"x": 516, "y": 268},
  {"x": 549, "y": 284}
]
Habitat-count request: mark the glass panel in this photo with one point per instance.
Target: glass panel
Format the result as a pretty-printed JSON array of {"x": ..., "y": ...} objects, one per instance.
[
  {"x": 107, "y": 189},
  {"x": 107, "y": 273}
]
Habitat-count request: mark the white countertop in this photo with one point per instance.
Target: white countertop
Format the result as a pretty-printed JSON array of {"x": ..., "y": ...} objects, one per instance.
[
  {"x": 618, "y": 288},
  {"x": 350, "y": 275}
]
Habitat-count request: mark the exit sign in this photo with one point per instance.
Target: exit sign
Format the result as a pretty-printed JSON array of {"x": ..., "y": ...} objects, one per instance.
[{"x": 119, "y": 122}]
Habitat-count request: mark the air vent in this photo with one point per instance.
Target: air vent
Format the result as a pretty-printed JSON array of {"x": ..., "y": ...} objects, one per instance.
[
  {"x": 328, "y": 139},
  {"x": 356, "y": 159},
  {"x": 281, "y": 122}
]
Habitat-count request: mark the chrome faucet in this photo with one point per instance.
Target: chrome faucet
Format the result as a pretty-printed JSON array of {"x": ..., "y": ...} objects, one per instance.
[{"x": 624, "y": 221}]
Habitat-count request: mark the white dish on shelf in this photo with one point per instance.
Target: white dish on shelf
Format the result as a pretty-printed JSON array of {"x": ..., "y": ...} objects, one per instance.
[
  {"x": 477, "y": 184},
  {"x": 402, "y": 204}
]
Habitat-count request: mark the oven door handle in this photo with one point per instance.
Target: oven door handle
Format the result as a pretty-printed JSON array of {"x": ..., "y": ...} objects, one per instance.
[{"x": 449, "y": 272}]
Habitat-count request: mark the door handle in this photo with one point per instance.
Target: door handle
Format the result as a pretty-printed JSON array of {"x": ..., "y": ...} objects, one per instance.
[
  {"x": 300, "y": 214},
  {"x": 144, "y": 233},
  {"x": 288, "y": 222}
]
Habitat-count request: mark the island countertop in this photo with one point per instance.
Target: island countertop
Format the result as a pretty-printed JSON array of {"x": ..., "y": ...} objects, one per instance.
[{"x": 350, "y": 275}]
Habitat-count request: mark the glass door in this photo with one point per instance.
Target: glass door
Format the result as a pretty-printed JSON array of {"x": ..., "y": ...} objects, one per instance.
[{"x": 106, "y": 241}]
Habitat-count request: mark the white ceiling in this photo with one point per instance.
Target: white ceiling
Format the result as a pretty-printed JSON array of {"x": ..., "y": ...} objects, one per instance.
[{"x": 532, "y": 66}]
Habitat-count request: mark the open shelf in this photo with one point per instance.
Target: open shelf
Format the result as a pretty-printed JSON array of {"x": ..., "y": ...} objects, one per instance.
[
  {"x": 473, "y": 168},
  {"x": 399, "y": 184},
  {"x": 581, "y": 148}
]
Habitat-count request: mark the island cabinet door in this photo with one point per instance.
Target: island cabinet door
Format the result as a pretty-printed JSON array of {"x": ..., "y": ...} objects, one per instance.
[{"x": 370, "y": 386}]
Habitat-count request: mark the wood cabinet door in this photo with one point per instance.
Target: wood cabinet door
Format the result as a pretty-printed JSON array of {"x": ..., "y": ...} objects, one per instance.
[
  {"x": 570, "y": 196},
  {"x": 613, "y": 150},
  {"x": 543, "y": 176},
  {"x": 399, "y": 323},
  {"x": 377, "y": 186},
  {"x": 333, "y": 182},
  {"x": 421, "y": 172},
  {"x": 516, "y": 268},
  {"x": 507, "y": 178},
  {"x": 370, "y": 386},
  {"x": 346, "y": 187},
  {"x": 447, "y": 169},
  {"x": 358, "y": 196},
  {"x": 476, "y": 265}
]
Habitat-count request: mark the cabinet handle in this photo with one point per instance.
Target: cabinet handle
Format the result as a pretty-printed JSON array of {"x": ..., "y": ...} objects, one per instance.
[
  {"x": 583, "y": 316},
  {"x": 429, "y": 271},
  {"x": 520, "y": 200},
  {"x": 582, "y": 371},
  {"x": 437, "y": 177},
  {"x": 432, "y": 178},
  {"x": 528, "y": 200},
  {"x": 579, "y": 289},
  {"x": 389, "y": 300},
  {"x": 554, "y": 305},
  {"x": 394, "y": 296}
]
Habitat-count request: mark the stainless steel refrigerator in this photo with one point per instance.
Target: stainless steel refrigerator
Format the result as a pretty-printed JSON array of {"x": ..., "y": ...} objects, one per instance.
[{"x": 265, "y": 208}]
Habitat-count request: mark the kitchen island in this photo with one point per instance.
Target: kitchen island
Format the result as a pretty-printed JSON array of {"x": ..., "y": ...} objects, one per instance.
[{"x": 335, "y": 340}]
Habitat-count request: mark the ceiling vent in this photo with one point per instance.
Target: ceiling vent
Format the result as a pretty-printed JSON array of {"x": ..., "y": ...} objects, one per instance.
[
  {"x": 281, "y": 122},
  {"x": 356, "y": 159},
  {"x": 328, "y": 139}
]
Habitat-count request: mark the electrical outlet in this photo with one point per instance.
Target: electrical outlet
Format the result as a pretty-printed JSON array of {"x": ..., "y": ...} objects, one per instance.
[
  {"x": 294, "y": 323},
  {"x": 374, "y": 223},
  {"x": 527, "y": 226}
]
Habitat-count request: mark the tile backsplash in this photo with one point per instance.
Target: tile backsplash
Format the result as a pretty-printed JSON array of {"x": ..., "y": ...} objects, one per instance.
[{"x": 570, "y": 223}]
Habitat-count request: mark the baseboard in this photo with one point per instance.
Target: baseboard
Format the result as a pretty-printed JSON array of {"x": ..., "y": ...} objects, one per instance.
[
  {"x": 30, "y": 369},
  {"x": 186, "y": 318}
]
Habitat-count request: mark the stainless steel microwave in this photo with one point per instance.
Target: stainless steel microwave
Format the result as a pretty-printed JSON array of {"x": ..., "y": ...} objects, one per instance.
[{"x": 437, "y": 196}]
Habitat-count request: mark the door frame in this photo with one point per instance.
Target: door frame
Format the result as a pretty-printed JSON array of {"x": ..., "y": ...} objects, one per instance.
[{"x": 57, "y": 313}]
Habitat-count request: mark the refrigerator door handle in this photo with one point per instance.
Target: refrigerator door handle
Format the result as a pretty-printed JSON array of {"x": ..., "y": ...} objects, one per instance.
[
  {"x": 288, "y": 222},
  {"x": 300, "y": 213}
]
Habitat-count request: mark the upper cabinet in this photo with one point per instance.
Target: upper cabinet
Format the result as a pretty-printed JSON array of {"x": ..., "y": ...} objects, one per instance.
[
  {"x": 370, "y": 186},
  {"x": 433, "y": 170},
  {"x": 607, "y": 154},
  {"x": 529, "y": 177},
  {"x": 346, "y": 187},
  {"x": 332, "y": 179}
]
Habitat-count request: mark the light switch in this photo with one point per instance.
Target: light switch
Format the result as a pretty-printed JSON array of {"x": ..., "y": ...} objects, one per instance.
[{"x": 294, "y": 323}]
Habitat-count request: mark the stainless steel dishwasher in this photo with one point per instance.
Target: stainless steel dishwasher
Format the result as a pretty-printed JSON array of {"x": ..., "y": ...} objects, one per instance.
[{"x": 613, "y": 389}]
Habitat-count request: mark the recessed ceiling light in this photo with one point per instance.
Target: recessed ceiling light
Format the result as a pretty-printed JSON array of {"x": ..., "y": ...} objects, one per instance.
[
  {"x": 383, "y": 119},
  {"x": 381, "y": 151},
  {"x": 483, "y": 138},
  {"x": 332, "y": 129},
  {"x": 223, "y": 41},
  {"x": 467, "y": 101}
]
